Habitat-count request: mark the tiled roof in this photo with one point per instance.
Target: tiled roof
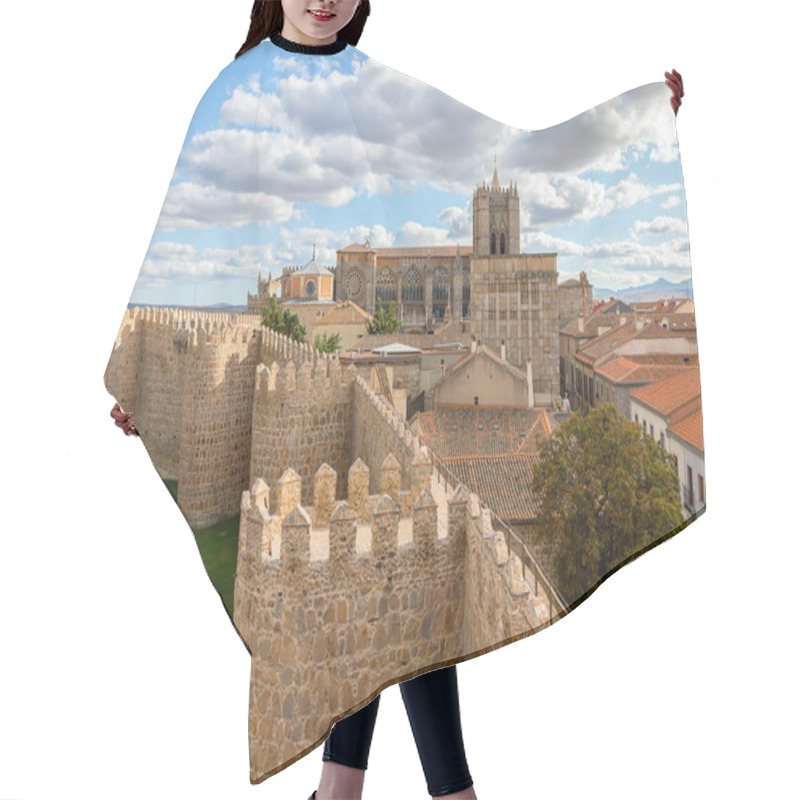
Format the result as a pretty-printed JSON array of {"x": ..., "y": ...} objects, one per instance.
[
  {"x": 503, "y": 482},
  {"x": 690, "y": 429},
  {"x": 673, "y": 397},
  {"x": 342, "y": 313},
  {"x": 603, "y": 347},
  {"x": 591, "y": 325},
  {"x": 607, "y": 342},
  {"x": 459, "y": 431},
  {"x": 627, "y": 370}
]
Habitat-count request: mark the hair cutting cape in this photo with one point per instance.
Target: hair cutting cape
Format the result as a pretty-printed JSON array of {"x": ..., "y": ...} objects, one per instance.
[{"x": 419, "y": 381}]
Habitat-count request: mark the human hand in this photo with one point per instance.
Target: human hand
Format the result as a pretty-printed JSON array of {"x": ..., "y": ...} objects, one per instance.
[
  {"x": 675, "y": 82},
  {"x": 124, "y": 420}
]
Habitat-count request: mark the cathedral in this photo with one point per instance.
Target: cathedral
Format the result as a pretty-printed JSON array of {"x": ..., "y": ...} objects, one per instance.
[
  {"x": 507, "y": 299},
  {"x": 504, "y": 297}
]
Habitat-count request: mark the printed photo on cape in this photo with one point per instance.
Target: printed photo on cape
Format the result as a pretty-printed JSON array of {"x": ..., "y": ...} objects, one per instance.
[{"x": 418, "y": 381}]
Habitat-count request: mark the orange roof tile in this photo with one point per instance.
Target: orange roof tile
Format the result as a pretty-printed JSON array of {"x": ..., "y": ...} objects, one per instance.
[
  {"x": 627, "y": 370},
  {"x": 672, "y": 397},
  {"x": 690, "y": 429}
]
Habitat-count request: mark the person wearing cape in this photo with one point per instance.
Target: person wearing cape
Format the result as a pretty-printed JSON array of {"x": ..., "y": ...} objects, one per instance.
[{"x": 425, "y": 434}]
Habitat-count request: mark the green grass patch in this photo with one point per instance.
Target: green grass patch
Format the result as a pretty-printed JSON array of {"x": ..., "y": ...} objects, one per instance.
[{"x": 218, "y": 546}]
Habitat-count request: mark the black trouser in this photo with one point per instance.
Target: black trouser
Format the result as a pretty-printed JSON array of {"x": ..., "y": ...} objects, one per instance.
[{"x": 432, "y": 706}]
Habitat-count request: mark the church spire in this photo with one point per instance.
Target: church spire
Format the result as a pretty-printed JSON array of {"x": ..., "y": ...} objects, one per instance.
[{"x": 495, "y": 179}]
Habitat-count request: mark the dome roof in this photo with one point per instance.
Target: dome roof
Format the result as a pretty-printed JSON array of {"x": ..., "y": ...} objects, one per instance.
[{"x": 313, "y": 268}]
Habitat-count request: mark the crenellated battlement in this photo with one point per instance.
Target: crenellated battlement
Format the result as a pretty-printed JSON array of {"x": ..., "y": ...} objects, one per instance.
[
  {"x": 334, "y": 604},
  {"x": 357, "y": 564}
]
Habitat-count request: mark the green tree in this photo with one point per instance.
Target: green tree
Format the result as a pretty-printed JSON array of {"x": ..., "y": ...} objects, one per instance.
[
  {"x": 327, "y": 342},
  {"x": 384, "y": 319},
  {"x": 607, "y": 490},
  {"x": 282, "y": 320}
]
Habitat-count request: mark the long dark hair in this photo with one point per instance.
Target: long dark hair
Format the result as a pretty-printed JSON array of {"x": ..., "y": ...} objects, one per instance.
[{"x": 266, "y": 18}]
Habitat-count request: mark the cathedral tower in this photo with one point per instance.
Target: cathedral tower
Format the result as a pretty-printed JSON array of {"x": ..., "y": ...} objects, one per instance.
[{"x": 495, "y": 219}]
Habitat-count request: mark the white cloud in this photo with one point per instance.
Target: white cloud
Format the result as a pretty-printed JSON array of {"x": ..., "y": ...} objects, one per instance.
[
  {"x": 660, "y": 226},
  {"x": 632, "y": 190}
]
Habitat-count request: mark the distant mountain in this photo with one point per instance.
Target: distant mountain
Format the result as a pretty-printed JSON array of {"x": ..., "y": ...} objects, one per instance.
[{"x": 651, "y": 291}]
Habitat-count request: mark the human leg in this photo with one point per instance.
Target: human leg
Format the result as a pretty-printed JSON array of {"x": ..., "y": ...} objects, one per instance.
[
  {"x": 345, "y": 755},
  {"x": 431, "y": 701}
]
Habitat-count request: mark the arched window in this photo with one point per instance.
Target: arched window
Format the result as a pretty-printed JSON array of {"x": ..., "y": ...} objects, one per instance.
[
  {"x": 502, "y": 244},
  {"x": 412, "y": 287},
  {"x": 441, "y": 286},
  {"x": 493, "y": 248},
  {"x": 386, "y": 288}
]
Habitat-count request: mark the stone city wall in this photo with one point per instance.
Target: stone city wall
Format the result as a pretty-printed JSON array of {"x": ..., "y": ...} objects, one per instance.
[{"x": 336, "y": 608}]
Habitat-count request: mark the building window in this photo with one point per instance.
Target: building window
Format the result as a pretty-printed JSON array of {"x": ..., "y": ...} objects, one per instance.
[
  {"x": 493, "y": 249},
  {"x": 311, "y": 287},
  {"x": 651, "y": 432},
  {"x": 412, "y": 287},
  {"x": 690, "y": 481},
  {"x": 476, "y": 399},
  {"x": 662, "y": 438},
  {"x": 353, "y": 285},
  {"x": 637, "y": 418},
  {"x": 502, "y": 244},
  {"x": 386, "y": 289},
  {"x": 701, "y": 488}
]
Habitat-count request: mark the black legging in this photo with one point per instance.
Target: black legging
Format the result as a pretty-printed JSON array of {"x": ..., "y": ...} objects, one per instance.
[{"x": 431, "y": 701}]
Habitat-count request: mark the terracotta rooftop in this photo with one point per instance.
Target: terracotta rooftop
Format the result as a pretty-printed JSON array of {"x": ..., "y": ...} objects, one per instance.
[
  {"x": 503, "y": 482},
  {"x": 602, "y": 348},
  {"x": 453, "y": 431},
  {"x": 689, "y": 429},
  {"x": 628, "y": 370},
  {"x": 673, "y": 397}
]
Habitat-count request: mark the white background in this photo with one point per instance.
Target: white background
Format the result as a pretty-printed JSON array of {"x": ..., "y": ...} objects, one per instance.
[{"x": 121, "y": 675}]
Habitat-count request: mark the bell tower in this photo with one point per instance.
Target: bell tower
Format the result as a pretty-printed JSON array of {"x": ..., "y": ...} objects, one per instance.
[{"x": 495, "y": 219}]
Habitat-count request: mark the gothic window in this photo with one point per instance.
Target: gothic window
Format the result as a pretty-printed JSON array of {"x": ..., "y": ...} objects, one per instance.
[
  {"x": 412, "y": 287},
  {"x": 493, "y": 249},
  {"x": 502, "y": 244},
  {"x": 386, "y": 288},
  {"x": 353, "y": 285},
  {"x": 441, "y": 286},
  {"x": 310, "y": 288}
]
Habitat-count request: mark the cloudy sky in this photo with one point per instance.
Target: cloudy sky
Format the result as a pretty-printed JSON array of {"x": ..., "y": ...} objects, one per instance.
[{"x": 286, "y": 150}]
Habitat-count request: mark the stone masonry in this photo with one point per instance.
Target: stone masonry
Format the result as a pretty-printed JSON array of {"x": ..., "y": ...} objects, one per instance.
[{"x": 342, "y": 598}]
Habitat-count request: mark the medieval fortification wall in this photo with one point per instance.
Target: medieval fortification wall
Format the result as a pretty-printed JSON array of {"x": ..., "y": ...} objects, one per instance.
[
  {"x": 357, "y": 562},
  {"x": 335, "y": 604}
]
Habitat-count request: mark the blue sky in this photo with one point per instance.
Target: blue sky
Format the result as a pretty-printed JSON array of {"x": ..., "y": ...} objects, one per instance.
[{"x": 286, "y": 150}]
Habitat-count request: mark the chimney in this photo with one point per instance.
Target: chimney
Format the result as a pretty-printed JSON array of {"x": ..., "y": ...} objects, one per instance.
[
  {"x": 503, "y": 349},
  {"x": 473, "y": 344}
]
